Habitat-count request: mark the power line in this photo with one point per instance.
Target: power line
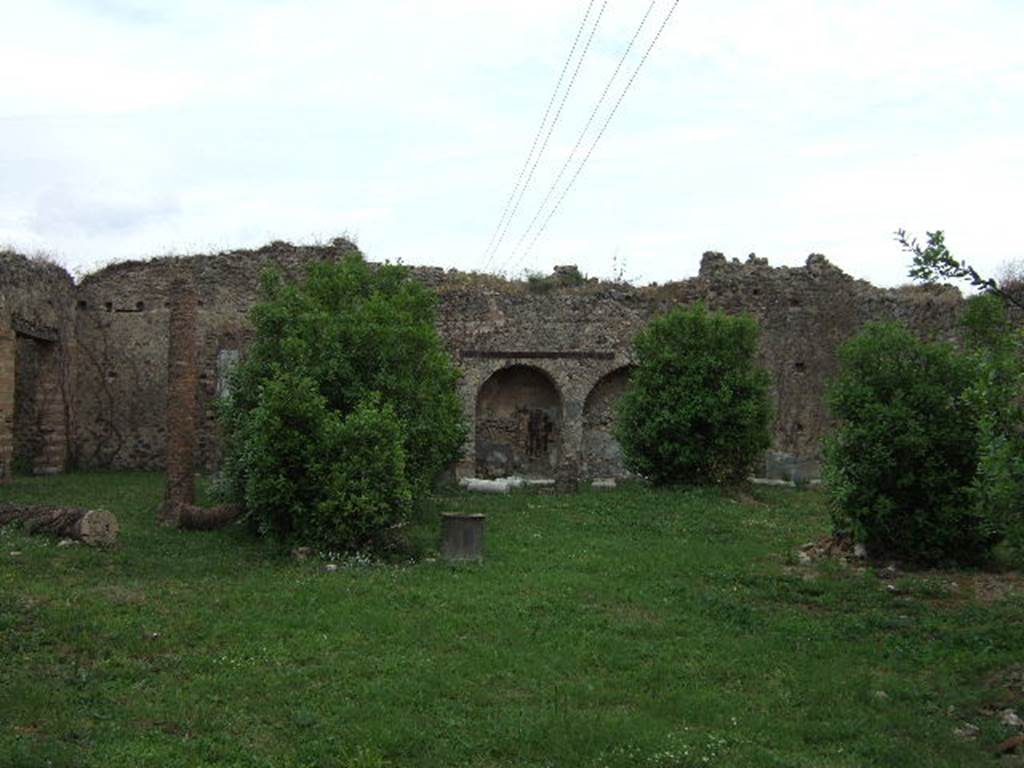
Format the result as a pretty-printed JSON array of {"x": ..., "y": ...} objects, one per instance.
[
  {"x": 551, "y": 128},
  {"x": 540, "y": 130},
  {"x": 611, "y": 114},
  {"x": 583, "y": 133}
]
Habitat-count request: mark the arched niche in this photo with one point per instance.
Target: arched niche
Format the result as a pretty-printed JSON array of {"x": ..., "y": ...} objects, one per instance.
[
  {"x": 518, "y": 424},
  {"x": 602, "y": 455}
]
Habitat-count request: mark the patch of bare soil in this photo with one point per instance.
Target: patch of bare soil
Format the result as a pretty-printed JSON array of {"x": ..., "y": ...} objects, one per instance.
[
  {"x": 934, "y": 585},
  {"x": 830, "y": 547},
  {"x": 994, "y": 587}
]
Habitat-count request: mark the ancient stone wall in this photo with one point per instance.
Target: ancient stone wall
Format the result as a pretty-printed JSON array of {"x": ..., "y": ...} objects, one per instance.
[
  {"x": 7, "y": 348},
  {"x": 122, "y": 330},
  {"x": 36, "y": 360},
  {"x": 580, "y": 336},
  {"x": 804, "y": 315},
  {"x": 543, "y": 362}
]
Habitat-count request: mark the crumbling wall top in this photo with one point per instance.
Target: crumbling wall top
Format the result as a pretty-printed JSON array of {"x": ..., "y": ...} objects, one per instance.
[
  {"x": 228, "y": 263},
  {"x": 33, "y": 290},
  {"x": 17, "y": 270}
]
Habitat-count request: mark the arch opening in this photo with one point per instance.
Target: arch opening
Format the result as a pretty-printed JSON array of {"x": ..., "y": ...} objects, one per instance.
[
  {"x": 518, "y": 424},
  {"x": 602, "y": 454}
]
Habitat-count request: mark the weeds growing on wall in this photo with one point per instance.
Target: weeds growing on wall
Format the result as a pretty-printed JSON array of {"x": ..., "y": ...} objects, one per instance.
[{"x": 562, "y": 277}]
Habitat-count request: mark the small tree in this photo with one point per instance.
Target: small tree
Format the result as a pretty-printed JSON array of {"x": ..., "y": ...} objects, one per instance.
[
  {"x": 344, "y": 409},
  {"x": 900, "y": 462},
  {"x": 995, "y": 342},
  {"x": 697, "y": 410},
  {"x": 995, "y": 345},
  {"x": 934, "y": 262}
]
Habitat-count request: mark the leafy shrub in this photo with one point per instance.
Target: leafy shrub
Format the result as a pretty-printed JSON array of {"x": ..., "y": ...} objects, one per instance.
[
  {"x": 277, "y": 457},
  {"x": 697, "y": 409},
  {"x": 996, "y": 396},
  {"x": 344, "y": 409},
  {"x": 996, "y": 346},
  {"x": 537, "y": 282},
  {"x": 998, "y": 488},
  {"x": 366, "y": 490},
  {"x": 901, "y": 460},
  {"x": 568, "y": 276}
]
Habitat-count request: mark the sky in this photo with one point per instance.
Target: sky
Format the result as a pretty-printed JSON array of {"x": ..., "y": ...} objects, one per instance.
[{"x": 132, "y": 129}]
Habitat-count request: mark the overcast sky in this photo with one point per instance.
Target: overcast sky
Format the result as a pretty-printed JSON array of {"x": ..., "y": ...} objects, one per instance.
[{"x": 783, "y": 127}]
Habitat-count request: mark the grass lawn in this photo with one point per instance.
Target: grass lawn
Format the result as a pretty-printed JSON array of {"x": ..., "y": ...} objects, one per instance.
[{"x": 622, "y": 628}]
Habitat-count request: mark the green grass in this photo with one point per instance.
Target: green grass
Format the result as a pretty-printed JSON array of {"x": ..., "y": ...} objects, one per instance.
[{"x": 623, "y": 628}]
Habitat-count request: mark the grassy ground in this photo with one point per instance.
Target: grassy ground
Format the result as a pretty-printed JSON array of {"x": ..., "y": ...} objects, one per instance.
[{"x": 623, "y": 628}]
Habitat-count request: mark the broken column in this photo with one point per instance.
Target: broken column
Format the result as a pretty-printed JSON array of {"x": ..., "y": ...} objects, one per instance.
[
  {"x": 95, "y": 527},
  {"x": 182, "y": 392}
]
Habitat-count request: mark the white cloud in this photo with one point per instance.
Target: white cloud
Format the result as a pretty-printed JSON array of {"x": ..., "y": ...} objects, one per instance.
[
  {"x": 63, "y": 211},
  {"x": 780, "y": 128}
]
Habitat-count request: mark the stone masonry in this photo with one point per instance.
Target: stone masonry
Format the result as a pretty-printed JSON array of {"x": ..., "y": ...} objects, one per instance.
[
  {"x": 37, "y": 353},
  {"x": 542, "y": 362},
  {"x": 7, "y": 346}
]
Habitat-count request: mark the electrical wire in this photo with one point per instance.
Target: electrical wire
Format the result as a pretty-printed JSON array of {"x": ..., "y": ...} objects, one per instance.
[
  {"x": 551, "y": 128},
  {"x": 540, "y": 130},
  {"x": 611, "y": 114},
  {"x": 582, "y": 135}
]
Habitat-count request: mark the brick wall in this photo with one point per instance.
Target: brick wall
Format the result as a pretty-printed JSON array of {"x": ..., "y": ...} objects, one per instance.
[{"x": 182, "y": 388}]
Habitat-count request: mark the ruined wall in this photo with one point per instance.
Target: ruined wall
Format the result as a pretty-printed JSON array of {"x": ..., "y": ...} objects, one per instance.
[
  {"x": 7, "y": 349},
  {"x": 122, "y": 331},
  {"x": 36, "y": 359},
  {"x": 573, "y": 334},
  {"x": 804, "y": 315},
  {"x": 580, "y": 335}
]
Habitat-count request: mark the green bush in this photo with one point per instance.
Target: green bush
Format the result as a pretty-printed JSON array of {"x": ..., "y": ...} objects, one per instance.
[
  {"x": 344, "y": 410},
  {"x": 277, "y": 453},
  {"x": 903, "y": 455},
  {"x": 366, "y": 490},
  {"x": 697, "y": 409},
  {"x": 996, "y": 347}
]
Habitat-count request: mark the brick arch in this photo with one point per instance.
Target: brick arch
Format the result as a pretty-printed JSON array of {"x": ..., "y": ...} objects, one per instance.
[
  {"x": 519, "y": 423},
  {"x": 601, "y": 453}
]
